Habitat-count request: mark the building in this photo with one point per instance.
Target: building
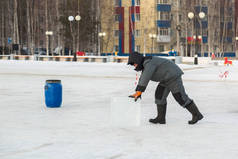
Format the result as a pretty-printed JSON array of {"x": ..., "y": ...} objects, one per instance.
[
  {"x": 126, "y": 29},
  {"x": 160, "y": 26}
]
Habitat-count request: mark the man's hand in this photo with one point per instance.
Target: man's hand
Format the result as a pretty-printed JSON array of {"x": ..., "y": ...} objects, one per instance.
[{"x": 136, "y": 95}]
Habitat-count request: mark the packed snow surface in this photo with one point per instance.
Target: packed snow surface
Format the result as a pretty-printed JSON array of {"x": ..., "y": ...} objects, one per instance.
[{"x": 81, "y": 127}]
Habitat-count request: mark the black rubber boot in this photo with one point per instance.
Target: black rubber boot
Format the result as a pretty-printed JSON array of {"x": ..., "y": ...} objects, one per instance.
[
  {"x": 193, "y": 109},
  {"x": 160, "y": 119}
]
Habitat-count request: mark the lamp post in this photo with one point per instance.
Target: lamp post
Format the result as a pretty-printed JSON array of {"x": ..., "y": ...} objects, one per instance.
[
  {"x": 236, "y": 44},
  {"x": 196, "y": 18},
  {"x": 152, "y": 36},
  {"x": 101, "y": 35},
  {"x": 178, "y": 28},
  {"x": 71, "y": 19},
  {"x": 78, "y": 18},
  {"x": 48, "y": 33}
]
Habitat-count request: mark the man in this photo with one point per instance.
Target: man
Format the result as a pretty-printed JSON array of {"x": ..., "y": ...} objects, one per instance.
[{"x": 168, "y": 75}]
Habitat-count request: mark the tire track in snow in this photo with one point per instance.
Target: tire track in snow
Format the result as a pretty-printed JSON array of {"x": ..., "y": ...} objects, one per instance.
[
  {"x": 27, "y": 150},
  {"x": 111, "y": 76}
]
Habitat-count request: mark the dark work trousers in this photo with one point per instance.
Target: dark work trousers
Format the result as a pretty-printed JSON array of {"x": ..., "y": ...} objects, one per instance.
[{"x": 176, "y": 88}]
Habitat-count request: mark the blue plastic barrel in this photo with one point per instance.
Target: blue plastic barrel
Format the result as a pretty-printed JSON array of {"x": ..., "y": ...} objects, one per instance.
[{"x": 53, "y": 93}]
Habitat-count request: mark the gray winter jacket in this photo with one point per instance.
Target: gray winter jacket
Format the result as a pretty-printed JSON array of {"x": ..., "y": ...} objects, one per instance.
[{"x": 159, "y": 70}]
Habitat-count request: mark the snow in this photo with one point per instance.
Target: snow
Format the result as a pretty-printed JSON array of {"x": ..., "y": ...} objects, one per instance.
[{"x": 81, "y": 128}]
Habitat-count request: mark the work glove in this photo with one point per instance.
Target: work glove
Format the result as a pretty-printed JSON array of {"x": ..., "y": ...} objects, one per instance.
[{"x": 136, "y": 96}]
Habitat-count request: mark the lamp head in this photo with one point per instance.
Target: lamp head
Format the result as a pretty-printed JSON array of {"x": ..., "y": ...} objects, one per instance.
[{"x": 190, "y": 15}]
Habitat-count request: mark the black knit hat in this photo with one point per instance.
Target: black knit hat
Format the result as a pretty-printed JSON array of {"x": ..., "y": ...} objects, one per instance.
[{"x": 136, "y": 58}]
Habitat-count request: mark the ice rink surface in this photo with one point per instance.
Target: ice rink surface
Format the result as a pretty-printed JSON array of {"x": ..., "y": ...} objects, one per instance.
[{"x": 81, "y": 128}]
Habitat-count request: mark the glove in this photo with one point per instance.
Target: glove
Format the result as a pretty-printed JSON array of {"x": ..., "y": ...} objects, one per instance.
[{"x": 136, "y": 95}]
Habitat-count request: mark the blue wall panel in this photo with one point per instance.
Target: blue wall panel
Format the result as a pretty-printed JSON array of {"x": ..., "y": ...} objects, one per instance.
[
  {"x": 204, "y": 39},
  {"x": 163, "y": 24},
  {"x": 199, "y": 9},
  {"x": 205, "y": 54},
  {"x": 163, "y": 7},
  {"x": 229, "y": 25},
  {"x": 229, "y": 39},
  {"x": 204, "y": 9},
  {"x": 229, "y": 54},
  {"x": 204, "y": 24}
]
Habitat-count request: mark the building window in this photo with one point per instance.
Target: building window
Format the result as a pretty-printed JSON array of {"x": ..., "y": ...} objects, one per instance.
[
  {"x": 204, "y": 32},
  {"x": 137, "y": 17},
  {"x": 137, "y": 48},
  {"x": 137, "y": 2},
  {"x": 137, "y": 33},
  {"x": 164, "y": 15},
  {"x": 180, "y": 17},
  {"x": 41, "y": 42},
  {"x": 117, "y": 18},
  {"x": 164, "y": 31},
  {"x": 41, "y": 19},
  {"x": 180, "y": 2},
  {"x": 116, "y": 2},
  {"x": 162, "y": 1},
  {"x": 116, "y": 33},
  {"x": 204, "y": 3},
  {"x": 230, "y": 48},
  {"x": 161, "y": 48},
  {"x": 116, "y": 48},
  {"x": 206, "y": 48}
]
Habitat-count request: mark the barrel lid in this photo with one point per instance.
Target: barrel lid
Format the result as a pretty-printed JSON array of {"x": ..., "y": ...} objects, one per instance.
[{"x": 53, "y": 81}]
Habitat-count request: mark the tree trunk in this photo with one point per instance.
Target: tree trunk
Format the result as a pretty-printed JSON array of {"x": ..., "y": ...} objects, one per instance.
[
  {"x": 59, "y": 42},
  {"x": 46, "y": 26},
  {"x": 33, "y": 26},
  {"x": 177, "y": 31},
  {"x": 77, "y": 36},
  {"x": 9, "y": 23},
  {"x": 3, "y": 37},
  {"x": 16, "y": 31},
  {"x": 29, "y": 35}
]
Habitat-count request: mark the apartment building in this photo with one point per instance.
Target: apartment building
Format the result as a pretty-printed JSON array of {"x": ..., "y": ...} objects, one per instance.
[
  {"x": 160, "y": 26},
  {"x": 128, "y": 26}
]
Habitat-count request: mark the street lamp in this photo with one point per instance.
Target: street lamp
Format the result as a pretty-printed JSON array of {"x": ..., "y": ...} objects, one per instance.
[
  {"x": 71, "y": 19},
  {"x": 152, "y": 36},
  {"x": 48, "y": 33},
  {"x": 196, "y": 18},
  {"x": 101, "y": 35}
]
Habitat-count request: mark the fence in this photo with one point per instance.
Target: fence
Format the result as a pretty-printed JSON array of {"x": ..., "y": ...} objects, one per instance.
[
  {"x": 65, "y": 58},
  {"x": 104, "y": 59}
]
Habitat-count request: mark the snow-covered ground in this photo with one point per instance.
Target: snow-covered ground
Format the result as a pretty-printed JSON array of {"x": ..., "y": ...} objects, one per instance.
[{"x": 81, "y": 128}]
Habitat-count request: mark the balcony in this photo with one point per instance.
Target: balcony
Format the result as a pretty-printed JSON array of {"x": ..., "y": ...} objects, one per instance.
[{"x": 163, "y": 38}]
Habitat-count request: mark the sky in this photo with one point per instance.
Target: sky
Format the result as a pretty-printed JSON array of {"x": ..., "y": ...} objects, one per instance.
[{"x": 97, "y": 120}]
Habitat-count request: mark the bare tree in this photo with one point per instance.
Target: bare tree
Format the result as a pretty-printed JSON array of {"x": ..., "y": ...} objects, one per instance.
[
  {"x": 3, "y": 35},
  {"x": 58, "y": 25},
  {"x": 108, "y": 9},
  {"x": 15, "y": 29},
  {"x": 30, "y": 25},
  {"x": 47, "y": 25}
]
